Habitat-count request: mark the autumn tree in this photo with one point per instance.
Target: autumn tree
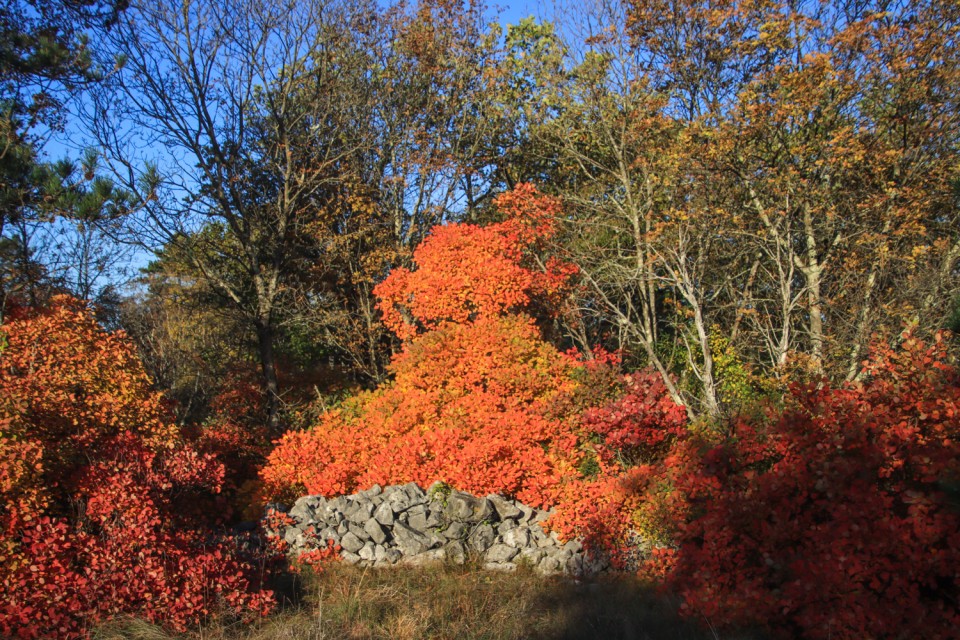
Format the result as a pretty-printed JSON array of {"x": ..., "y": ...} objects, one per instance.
[
  {"x": 439, "y": 313},
  {"x": 439, "y": 126},
  {"x": 48, "y": 62},
  {"x": 643, "y": 246},
  {"x": 322, "y": 142},
  {"x": 229, "y": 89},
  {"x": 758, "y": 175},
  {"x": 833, "y": 155},
  {"x": 188, "y": 340}
]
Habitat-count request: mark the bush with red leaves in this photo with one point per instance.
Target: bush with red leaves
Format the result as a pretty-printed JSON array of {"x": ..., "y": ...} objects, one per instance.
[
  {"x": 479, "y": 399},
  {"x": 97, "y": 486},
  {"x": 838, "y": 516}
]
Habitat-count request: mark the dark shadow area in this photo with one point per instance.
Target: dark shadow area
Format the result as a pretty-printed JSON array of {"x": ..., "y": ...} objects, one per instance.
[
  {"x": 449, "y": 602},
  {"x": 467, "y": 603},
  {"x": 618, "y": 608}
]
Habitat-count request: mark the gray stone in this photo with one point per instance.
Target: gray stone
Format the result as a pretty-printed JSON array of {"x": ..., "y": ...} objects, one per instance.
[
  {"x": 437, "y": 539},
  {"x": 350, "y": 558},
  {"x": 531, "y": 556},
  {"x": 549, "y": 565},
  {"x": 423, "y": 520},
  {"x": 375, "y": 531},
  {"x": 540, "y": 516},
  {"x": 573, "y": 546},
  {"x": 467, "y": 508},
  {"x": 415, "y": 492},
  {"x": 359, "y": 512},
  {"x": 367, "y": 552},
  {"x": 500, "y": 553},
  {"x": 385, "y": 555},
  {"x": 329, "y": 533},
  {"x": 526, "y": 513},
  {"x": 416, "y": 510},
  {"x": 482, "y": 538},
  {"x": 399, "y": 501},
  {"x": 358, "y": 531},
  {"x": 306, "y": 507},
  {"x": 384, "y": 514},
  {"x": 539, "y": 536},
  {"x": 410, "y": 542},
  {"x": 506, "y": 525},
  {"x": 405, "y": 497},
  {"x": 505, "y": 509},
  {"x": 294, "y": 537},
  {"x": 351, "y": 542},
  {"x": 589, "y": 565},
  {"x": 519, "y": 537},
  {"x": 361, "y": 497},
  {"x": 342, "y": 528},
  {"x": 393, "y": 556},
  {"x": 500, "y": 566},
  {"x": 454, "y": 551},
  {"x": 579, "y": 565},
  {"x": 456, "y": 531},
  {"x": 373, "y": 491},
  {"x": 427, "y": 557}
]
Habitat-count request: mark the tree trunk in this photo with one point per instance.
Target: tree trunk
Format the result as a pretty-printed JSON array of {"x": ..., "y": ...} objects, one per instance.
[
  {"x": 813, "y": 272},
  {"x": 711, "y": 397},
  {"x": 268, "y": 369}
]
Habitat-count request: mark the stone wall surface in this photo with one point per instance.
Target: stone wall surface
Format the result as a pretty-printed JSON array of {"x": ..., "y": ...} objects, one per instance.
[{"x": 405, "y": 524}]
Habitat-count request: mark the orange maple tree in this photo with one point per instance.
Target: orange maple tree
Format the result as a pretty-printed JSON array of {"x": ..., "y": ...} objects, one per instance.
[{"x": 465, "y": 272}]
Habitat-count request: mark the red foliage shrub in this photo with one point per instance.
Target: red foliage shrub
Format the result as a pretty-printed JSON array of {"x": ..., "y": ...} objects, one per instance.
[
  {"x": 237, "y": 433},
  {"x": 641, "y": 424},
  {"x": 631, "y": 435},
  {"x": 97, "y": 486},
  {"x": 837, "y": 517},
  {"x": 467, "y": 406}
]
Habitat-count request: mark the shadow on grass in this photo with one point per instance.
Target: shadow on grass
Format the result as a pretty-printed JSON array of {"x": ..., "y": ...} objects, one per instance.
[{"x": 456, "y": 603}]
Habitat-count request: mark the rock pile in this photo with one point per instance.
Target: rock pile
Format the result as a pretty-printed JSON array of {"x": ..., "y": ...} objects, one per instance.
[{"x": 405, "y": 524}]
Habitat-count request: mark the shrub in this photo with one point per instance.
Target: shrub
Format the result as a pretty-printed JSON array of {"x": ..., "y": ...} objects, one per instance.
[
  {"x": 478, "y": 399},
  {"x": 837, "y": 517},
  {"x": 99, "y": 487}
]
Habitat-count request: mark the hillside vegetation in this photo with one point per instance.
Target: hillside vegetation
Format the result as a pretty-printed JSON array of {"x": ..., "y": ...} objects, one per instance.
[{"x": 681, "y": 272}]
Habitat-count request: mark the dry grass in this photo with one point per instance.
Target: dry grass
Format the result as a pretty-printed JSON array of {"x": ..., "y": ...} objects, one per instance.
[{"x": 449, "y": 602}]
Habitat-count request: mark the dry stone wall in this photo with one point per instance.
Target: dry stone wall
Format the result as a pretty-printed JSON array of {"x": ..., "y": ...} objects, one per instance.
[{"x": 405, "y": 524}]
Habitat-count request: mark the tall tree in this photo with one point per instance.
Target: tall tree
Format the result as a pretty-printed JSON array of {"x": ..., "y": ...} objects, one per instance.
[
  {"x": 228, "y": 92},
  {"x": 45, "y": 59},
  {"x": 322, "y": 141},
  {"x": 774, "y": 177}
]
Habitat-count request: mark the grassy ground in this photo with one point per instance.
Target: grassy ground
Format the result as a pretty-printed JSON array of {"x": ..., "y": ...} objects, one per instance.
[{"x": 450, "y": 602}]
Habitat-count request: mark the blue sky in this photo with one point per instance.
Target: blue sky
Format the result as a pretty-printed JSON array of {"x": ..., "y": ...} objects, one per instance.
[{"x": 513, "y": 12}]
